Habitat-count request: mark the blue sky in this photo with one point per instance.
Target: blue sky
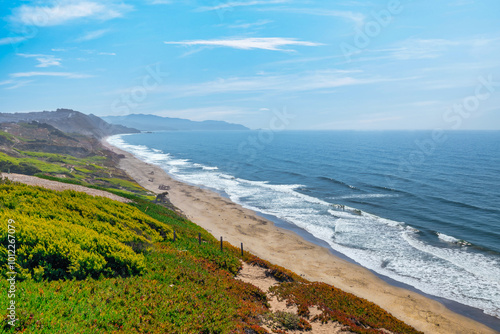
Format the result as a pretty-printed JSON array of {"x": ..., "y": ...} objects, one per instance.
[{"x": 368, "y": 65}]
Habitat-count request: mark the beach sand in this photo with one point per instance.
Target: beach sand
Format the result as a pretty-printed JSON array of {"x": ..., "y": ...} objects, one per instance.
[{"x": 235, "y": 224}]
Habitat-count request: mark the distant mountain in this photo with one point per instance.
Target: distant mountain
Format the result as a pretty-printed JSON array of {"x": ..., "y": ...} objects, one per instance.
[
  {"x": 69, "y": 121},
  {"x": 157, "y": 123}
]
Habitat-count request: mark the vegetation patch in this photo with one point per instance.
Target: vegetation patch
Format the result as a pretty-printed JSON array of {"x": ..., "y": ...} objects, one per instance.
[
  {"x": 360, "y": 315},
  {"x": 93, "y": 265},
  {"x": 68, "y": 234},
  {"x": 39, "y": 149},
  {"x": 287, "y": 321}
]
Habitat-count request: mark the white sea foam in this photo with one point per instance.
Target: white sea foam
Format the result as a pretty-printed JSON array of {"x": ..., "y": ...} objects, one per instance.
[
  {"x": 452, "y": 240},
  {"x": 388, "y": 247}
]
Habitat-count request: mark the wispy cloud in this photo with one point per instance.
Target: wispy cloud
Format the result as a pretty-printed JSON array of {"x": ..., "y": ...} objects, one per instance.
[
  {"x": 422, "y": 48},
  {"x": 309, "y": 81},
  {"x": 92, "y": 35},
  {"x": 44, "y": 60},
  {"x": 265, "y": 43},
  {"x": 160, "y": 2},
  {"x": 232, "y": 4},
  {"x": 13, "y": 84},
  {"x": 12, "y": 40},
  {"x": 461, "y": 3},
  {"x": 61, "y": 13},
  {"x": 257, "y": 24},
  {"x": 412, "y": 49},
  {"x": 356, "y": 18},
  {"x": 50, "y": 74}
]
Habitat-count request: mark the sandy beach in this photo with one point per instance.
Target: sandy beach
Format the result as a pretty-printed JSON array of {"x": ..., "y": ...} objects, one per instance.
[{"x": 235, "y": 224}]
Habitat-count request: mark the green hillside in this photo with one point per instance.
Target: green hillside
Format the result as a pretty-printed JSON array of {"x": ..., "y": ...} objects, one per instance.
[
  {"x": 93, "y": 265},
  {"x": 42, "y": 150}
]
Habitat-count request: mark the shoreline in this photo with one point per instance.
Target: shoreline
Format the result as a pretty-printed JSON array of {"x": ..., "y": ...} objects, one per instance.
[
  {"x": 469, "y": 312},
  {"x": 221, "y": 217}
]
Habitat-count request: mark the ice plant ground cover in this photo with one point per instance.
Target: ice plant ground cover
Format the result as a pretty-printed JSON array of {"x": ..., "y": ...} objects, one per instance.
[{"x": 91, "y": 264}]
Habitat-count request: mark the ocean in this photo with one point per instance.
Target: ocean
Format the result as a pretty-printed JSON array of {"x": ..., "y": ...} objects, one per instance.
[{"x": 418, "y": 207}]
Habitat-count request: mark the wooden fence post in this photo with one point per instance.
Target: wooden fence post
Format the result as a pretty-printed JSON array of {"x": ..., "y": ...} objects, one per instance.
[
  {"x": 221, "y": 244},
  {"x": 199, "y": 238}
]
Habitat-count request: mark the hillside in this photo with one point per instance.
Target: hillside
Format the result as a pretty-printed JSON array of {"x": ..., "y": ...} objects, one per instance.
[
  {"x": 42, "y": 150},
  {"x": 69, "y": 121},
  {"x": 88, "y": 265},
  {"x": 157, "y": 123}
]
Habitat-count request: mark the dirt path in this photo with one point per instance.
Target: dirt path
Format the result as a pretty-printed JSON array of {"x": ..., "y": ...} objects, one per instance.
[
  {"x": 59, "y": 186},
  {"x": 257, "y": 276}
]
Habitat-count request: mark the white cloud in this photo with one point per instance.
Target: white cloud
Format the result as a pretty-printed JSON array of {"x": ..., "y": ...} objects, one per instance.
[
  {"x": 19, "y": 84},
  {"x": 357, "y": 18},
  {"x": 265, "y": 43},
  {"x": 92, "y": 35},
  {"x": 309, "y": 81},
  {"x": 14, "y": 83},
  {"x": 160, "y": 2},
  {"x": 12, "y": 40},
  {"x": 50, "y": 74},
  {"x": 107, "y": 53},
  {"x": 431, "y": 48},
  {"x": 422, "y": 48},
  {"x": 44, "y": 60},
  {"x": 230, "y": 5},
  {"x": 259, "y": 23},
  {"x": 61, "y": 13}
]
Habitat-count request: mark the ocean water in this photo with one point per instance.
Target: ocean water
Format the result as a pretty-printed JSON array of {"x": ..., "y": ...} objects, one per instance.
[{"x": 419, "y": 207}]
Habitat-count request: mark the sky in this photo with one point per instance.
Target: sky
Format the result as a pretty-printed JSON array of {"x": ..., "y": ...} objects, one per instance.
[{"x": 316, "y": 65}]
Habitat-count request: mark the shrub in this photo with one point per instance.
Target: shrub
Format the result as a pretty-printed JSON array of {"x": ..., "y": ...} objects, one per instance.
[{"x": 74, "y": 235}]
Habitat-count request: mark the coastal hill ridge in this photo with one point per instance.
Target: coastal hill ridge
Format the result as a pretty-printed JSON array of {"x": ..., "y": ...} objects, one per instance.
[
  {"x": 69, "y": 121},
  {"x": 157, "y": 123}
]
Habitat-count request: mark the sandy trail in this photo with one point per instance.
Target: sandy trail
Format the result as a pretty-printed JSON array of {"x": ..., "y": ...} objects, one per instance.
[
  {"x": 59, "y": 186},
  {"x": 257, "y": 276}
]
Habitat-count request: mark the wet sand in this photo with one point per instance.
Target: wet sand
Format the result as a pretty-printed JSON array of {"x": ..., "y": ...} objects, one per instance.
[{"x": 235, "y": 224}]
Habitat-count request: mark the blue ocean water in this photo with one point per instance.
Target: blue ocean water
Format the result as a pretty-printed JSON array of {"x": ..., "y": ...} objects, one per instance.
[{"x": 422, "y": 208}]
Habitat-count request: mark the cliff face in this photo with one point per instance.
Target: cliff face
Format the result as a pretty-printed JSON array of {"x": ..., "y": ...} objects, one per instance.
[
  {"x": 42, "y": 137},
  {"x": 69, "y": 121}
]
